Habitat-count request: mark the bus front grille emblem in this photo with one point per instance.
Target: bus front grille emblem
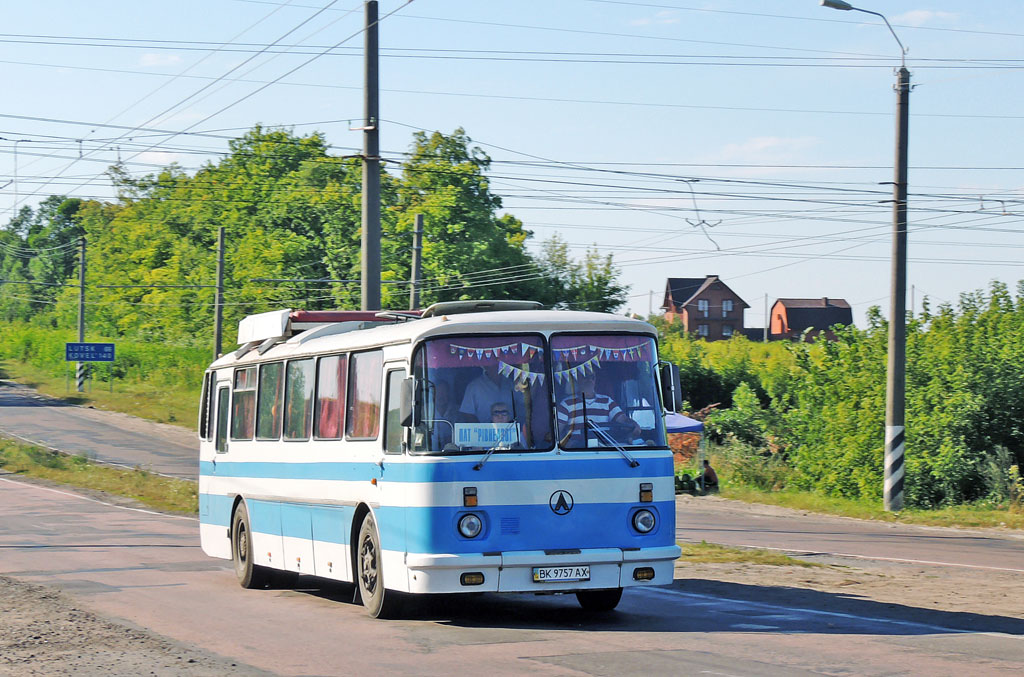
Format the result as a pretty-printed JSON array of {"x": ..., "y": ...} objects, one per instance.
[{"x": 561, "y": 502}]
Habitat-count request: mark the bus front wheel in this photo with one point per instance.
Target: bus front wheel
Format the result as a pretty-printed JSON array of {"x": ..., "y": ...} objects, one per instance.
[
  {"x": 249, "y": 575},
  {"x": 379, "y": 602},
  {"x": 599, "y": 600}
]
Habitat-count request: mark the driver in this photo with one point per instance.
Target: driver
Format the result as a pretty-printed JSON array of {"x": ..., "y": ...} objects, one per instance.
[{"x": 600, "y": 409}]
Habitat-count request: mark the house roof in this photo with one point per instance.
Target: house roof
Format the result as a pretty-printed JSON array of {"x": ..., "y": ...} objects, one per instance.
[
  {"x": 682, "y": 290},
  {"x": 820, "y": 313}
]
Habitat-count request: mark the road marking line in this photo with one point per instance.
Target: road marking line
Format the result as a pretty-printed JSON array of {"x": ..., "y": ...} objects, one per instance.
[
  {"x": 93, "y": 500},
  {"x": 711, "y": 600},
  {"x": 809, "y": 553}
]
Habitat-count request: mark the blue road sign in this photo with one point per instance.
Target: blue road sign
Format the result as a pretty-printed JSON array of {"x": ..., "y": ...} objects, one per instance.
[{"x": 89, "y": 352}]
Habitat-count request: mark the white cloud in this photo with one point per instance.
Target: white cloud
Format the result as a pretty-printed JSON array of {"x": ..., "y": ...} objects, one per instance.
[
  {"x": 766, "y": 149},
  {"x": 159, "y": 59},
  {"x": 158, "y": 157},
  {"x": 920, "y": 17}
]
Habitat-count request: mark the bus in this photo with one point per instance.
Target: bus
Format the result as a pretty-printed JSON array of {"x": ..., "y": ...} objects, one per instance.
[{"x": 476, "y": 446}]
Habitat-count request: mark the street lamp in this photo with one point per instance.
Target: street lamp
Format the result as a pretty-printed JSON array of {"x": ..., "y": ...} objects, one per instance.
[{"x": 895, "y": 383}]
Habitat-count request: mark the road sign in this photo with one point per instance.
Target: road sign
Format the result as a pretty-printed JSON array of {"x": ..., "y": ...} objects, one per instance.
[{"x": 89, "y": 352}]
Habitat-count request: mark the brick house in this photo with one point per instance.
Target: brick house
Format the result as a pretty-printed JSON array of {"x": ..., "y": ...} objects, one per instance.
[
  {"x": 791, "y": 317},
  {"x": 705, "y": 305}
]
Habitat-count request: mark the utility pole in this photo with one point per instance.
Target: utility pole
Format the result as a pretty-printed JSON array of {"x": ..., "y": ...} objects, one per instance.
[
  {"x": 767, "y": 319},
  {"x": 218, "y": 303},
  {"x": 417, "y": 263},
  {"x": 370, "y": 263},
  {"x": 896, "y": 367},
  {"x": 80, "y": 367},
  {"x": 895, "y": 386}
]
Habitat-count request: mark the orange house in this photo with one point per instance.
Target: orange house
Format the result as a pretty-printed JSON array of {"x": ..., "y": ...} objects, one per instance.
[
  {"x": 792, "y": 317},
  {"x": 705, "y": 305}
]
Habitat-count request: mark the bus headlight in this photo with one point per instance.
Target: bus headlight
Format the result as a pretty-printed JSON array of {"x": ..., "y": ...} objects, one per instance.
[
  {"x": 470, "y": 525},
  {"x": 643, "y": 521}
]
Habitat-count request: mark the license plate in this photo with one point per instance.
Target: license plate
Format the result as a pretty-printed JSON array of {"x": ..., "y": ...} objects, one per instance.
[{"x": 561, "y": 574}]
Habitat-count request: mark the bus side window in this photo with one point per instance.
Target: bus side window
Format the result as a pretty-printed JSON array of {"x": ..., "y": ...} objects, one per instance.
[
  {"x": 268, "y": 405},
  {"x": 393, "y": 430},
  {"x": 330, "y": 396},
  {"x": 206, "y": 408},
  {"x": 298, "y": 399},
  {"x": 362, "y": 420},
  {"x": 243, "y": 404},
  {"x": 223, "y": 399}
]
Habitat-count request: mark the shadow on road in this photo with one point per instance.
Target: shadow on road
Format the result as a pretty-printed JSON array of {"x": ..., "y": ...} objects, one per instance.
[
  {"x": 18, "y": 392},
  {"x": 693, "y": 605}
]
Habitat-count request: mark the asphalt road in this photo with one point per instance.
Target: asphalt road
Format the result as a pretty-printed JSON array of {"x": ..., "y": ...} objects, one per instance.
[
  {"x": 148, "y": 570},
  {"x": 129, "y": 441},
  {"x": 731, "y": 523},
  {"x": 103, "y": 436}
]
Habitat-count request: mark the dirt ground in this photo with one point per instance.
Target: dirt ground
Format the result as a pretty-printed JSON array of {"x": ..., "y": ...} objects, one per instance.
[{"x": 45, "y": 632}]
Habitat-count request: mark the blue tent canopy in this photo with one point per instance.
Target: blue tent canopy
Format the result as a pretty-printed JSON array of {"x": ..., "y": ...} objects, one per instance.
[{"x": 677, "y": 423}]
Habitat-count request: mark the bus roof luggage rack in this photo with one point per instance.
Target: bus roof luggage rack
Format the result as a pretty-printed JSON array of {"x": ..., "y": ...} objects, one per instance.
[
  {"x": 267, "y": 329},
  {"x": 461, "y": 307}
]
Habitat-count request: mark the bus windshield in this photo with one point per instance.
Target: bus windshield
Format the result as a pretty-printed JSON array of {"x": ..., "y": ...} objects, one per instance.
[
  {"x": 606, "y": 392},
  {"x": 483, "y": 393}
]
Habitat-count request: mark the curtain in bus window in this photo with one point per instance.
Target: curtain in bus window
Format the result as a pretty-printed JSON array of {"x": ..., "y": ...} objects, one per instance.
[
  {"x": 364, "y": 385},
  {"x": 330, "y": 396},
  {"x": 268, "y": 406},
  {"x": 298, "y": 401},
  {"x": 243, "y": 404}
]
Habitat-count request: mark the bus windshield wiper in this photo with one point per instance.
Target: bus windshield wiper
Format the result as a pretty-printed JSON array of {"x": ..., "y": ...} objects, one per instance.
[
  {"x": 490, "y": 451},
  {"x": 605, "y": 437}
]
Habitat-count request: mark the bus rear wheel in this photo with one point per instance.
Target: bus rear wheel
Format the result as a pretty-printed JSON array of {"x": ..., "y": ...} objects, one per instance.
[
  {"x": 599, "y": 600},
  {"x": 249, "y": 575},
  {"x": 378, "y": 601}
]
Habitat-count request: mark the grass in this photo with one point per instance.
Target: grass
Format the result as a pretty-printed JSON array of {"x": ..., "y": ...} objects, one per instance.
[
  {"x": 155, "y": 491},
  {"x": 953, "y": 516},
  {"x": 177, "y": 405},
  {"x": 712, "y": 553}
]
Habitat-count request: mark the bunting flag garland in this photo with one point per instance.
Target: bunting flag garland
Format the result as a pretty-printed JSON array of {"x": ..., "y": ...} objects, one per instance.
[
  {"x": 527, "y": 350},
  {"x": 581, "y": 369},
  {"x": 575, "y": 352},
  {"x": 518, "y": 374}
]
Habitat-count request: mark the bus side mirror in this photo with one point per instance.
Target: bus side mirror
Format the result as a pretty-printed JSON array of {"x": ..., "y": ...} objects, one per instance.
[
  {"x": 410, "y": 407},
  {"x": 671, "y": 388}
]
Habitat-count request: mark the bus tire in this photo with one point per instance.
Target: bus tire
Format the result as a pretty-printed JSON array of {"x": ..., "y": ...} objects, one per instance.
[
  {"x": 599, "y": 600},
  {"x": 249, "y": 575},
  {"x": 378, "y": 601}
]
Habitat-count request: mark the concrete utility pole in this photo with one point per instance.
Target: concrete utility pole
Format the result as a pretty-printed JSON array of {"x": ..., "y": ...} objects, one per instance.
[
  {"x": 80, "y": 367},
  {"x": 417, "y": 263},
  {"x": 767, "y": 320},
  {"x": 370, "y": 265},
  {"x": 895, "y": 382},
  {"x": 218, "y": 303},
  {"x": 895, "y": 386}
]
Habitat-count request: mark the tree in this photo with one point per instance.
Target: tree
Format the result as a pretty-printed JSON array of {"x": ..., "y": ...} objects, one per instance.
[
  {"x": 591, "y": 284},
  {"x": 469, "y": 252}
]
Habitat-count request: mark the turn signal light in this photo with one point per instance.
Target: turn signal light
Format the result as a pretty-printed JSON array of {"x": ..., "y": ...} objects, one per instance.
[
  {"x": 469, "y": 497},
  {"x": 477, "y": 578},
  {"x": 646, "y": 492},
  {"x": 643, "y": 574}
]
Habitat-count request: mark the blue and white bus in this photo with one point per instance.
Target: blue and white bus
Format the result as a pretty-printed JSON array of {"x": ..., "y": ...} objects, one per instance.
[{"x": 478, "y": 446}]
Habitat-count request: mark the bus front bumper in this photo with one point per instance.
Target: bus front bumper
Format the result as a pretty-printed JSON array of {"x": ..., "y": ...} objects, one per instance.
[{"x": 541, "y": 571}]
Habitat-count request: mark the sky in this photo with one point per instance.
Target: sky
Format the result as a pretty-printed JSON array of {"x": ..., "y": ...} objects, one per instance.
[{"x": 753, "y": 140}]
